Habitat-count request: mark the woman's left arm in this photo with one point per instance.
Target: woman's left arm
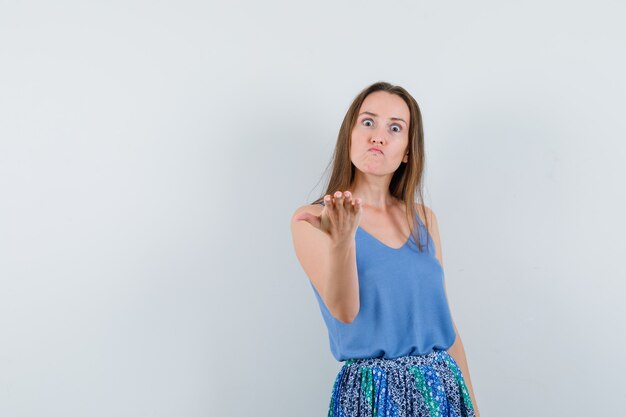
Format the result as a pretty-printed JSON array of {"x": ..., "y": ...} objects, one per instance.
[
  {"x": 458, "y": 354},
  {"x": 456, "y": 350}
]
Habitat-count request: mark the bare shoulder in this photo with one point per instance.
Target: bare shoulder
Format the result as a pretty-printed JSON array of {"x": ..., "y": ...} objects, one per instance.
[
  {"x": 311, "y": 208},
  {"x": 430, "y": 214},
  {"x": 433, "y": 229},
  {"x": 303, "y": 233},
  {"x": 298, "y": 225},
  {"x": 310, "y": 245}
]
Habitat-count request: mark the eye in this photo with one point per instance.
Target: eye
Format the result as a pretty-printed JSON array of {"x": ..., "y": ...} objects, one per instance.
[{"x": 395, "y": 124}]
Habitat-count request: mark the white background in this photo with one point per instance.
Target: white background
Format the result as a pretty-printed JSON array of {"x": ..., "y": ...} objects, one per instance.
[{"x": 152, "y": 154}]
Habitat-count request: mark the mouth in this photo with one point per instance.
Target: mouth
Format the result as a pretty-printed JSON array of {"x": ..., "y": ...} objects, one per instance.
[{"x": 375, "y": 150}]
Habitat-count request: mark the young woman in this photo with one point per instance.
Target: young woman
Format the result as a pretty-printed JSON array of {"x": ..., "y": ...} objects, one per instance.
[{"x": 373, "y": 258}]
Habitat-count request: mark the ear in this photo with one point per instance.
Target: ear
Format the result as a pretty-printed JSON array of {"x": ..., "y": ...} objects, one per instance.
[{"x": 406, "y": 158}]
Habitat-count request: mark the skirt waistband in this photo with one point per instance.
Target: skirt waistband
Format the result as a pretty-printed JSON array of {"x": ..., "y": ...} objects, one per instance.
[{"x": 436, "y": 356}]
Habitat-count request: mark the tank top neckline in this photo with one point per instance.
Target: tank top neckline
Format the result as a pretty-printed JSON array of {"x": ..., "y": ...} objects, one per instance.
[{"x": 380, "y": 242}]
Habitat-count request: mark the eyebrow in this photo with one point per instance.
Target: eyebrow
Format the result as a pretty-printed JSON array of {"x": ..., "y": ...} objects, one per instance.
[{"x": 392, "y": 118}]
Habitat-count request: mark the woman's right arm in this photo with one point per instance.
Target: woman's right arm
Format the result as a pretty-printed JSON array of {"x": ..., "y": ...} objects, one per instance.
[{"x": 329, "y": 262}]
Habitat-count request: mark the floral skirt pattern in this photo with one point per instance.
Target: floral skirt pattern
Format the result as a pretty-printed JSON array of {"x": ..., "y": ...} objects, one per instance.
[{"x": 429, "y": 385}]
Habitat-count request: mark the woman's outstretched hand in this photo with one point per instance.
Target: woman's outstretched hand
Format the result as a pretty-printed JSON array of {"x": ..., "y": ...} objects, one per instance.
[{"x": 340, "y": 217}]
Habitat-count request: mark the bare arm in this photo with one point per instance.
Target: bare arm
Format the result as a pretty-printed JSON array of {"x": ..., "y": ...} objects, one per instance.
[
  {"x": 457, "y": 350},
  {"x": 329, "y": 260},
  {"x": 342, "y": 286}
]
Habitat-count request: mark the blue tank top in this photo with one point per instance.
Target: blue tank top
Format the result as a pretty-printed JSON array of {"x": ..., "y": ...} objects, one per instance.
[{"x": 403, "y": 306}]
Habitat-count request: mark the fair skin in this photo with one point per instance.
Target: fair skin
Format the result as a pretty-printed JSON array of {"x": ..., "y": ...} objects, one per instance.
[
  {"x": 328, "y": 257},
  {"x": 383, "y": 123}
]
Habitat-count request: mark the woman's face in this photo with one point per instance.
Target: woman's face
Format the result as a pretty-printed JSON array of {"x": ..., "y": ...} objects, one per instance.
[{"x": 383, "y": 123}]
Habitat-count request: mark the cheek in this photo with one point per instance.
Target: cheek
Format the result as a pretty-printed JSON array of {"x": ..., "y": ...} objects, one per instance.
[{"x": 359, "y": 137}]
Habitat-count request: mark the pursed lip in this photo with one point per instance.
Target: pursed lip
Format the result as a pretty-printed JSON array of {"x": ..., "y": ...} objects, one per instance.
[{"x": 375, "y": 149}]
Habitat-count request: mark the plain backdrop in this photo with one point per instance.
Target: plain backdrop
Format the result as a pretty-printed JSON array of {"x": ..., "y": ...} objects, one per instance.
[{"x": 152, "y": 155}]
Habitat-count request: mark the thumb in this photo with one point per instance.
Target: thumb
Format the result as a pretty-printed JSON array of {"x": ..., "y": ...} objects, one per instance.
[{"x": 312, "y": 219}]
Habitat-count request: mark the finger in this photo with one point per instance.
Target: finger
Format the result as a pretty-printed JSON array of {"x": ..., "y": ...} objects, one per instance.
[
  {"x": 347, "y": 200},
  {"x": 338, "y": 197},
  {"x": 330, "y": 211}
]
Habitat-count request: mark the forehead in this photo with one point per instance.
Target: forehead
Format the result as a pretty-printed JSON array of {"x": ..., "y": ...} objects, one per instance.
[{"x": 386, "y": 105}]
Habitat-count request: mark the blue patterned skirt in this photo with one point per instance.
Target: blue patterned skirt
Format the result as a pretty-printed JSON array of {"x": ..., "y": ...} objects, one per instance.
[{"x": 408, "y": 386}]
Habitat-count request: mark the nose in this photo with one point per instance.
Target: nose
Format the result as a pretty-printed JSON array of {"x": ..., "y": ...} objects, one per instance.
[{"x": 379, "y": 135}]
